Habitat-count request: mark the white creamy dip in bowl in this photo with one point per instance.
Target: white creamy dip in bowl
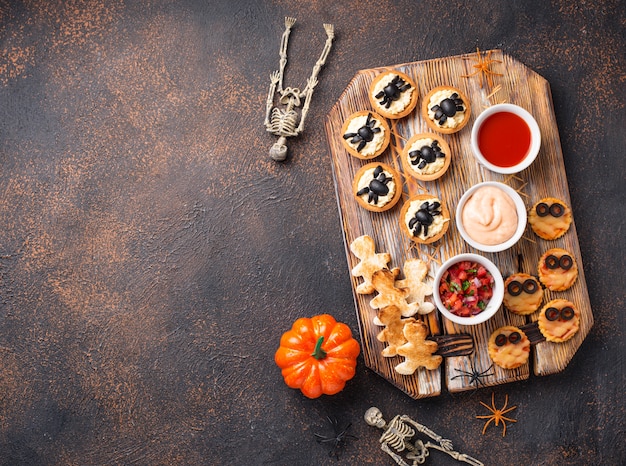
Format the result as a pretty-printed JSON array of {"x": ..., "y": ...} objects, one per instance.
[{"x": 491, "y": 216}]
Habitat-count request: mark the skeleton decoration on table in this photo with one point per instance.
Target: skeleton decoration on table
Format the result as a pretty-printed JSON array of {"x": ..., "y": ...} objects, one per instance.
[
  {"x": 398, "y": 437},
  {"x": 284, "y": 123}
]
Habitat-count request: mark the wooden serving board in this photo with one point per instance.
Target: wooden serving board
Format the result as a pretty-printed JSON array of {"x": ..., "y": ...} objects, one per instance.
[{"x": 545, "y": 177}]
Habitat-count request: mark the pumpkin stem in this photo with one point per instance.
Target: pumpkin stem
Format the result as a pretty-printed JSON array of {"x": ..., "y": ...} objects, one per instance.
[{"x": 318, "y": 352}]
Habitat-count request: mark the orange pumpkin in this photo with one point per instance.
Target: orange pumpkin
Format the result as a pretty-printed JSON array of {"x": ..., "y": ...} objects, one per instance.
[{"x": 318, "y": 355}]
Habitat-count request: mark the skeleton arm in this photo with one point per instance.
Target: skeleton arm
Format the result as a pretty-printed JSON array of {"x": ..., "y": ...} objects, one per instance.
[
  {"x": 312, "y": 81},
  {"x": 289, "y": 22},
  {"x": 446, "y": 444},
  {"x": 274, "y": 77}
]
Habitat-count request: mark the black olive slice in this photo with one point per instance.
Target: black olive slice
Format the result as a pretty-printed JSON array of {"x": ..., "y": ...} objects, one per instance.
[
  {"x": 515, "y": 337},
  {"x": 552, "y": 313},
  {"x": 567, "y": 313},
  {"x": 530, "y": 286},
  {"x": 556, "y": 210},
  {"x": 514, "y": 288},
  {"x": 501, "y": 340},
  {"x": 542, "y": 209},
  {"x": 552, "y": 262},
  {"x": 566, "y": 262}
]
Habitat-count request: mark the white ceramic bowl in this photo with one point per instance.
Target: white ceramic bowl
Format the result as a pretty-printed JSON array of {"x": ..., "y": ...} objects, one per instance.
[
  {"x": 494, "y": 303},
  {"x": 521, "y": 217},
  {"x": 535, "y": 138}
]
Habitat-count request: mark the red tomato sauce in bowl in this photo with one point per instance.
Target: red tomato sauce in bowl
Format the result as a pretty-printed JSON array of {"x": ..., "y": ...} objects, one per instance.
[{"x": 504, "y": 139}]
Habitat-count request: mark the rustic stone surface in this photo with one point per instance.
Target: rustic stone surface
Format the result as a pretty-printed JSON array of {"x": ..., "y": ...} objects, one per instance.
[{"x": 151, "y": 253}]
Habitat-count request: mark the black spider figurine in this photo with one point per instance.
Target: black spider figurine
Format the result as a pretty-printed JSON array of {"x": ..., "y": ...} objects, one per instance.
[
  {"x": 392, "y": 91},
  {"x": 426, "y": 155},
  {"x": 474, "y": 375},
  {"x": 376, "y": 187},
  {"x": 447, "y": 108},
  {"x": 339, "y": 440},
  {"x": 424, "y": 217},
  {"x": 364, "y": 134}
]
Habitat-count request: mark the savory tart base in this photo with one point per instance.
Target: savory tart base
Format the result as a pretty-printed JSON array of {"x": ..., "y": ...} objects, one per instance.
[
  {"x": 368, "y": 180},
  {"x": 445, "y": 92},
  {"x": 413, "y": 205},
  {"x": 397, "y": 108}
]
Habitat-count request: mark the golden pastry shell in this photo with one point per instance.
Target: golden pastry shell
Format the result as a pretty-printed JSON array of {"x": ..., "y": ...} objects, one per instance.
[
  {"x": 397, "y": 178},
  {"x": 352, "y": 150},
  {"x": 434, "y": 126},
  {"x": 379, "y": 108},
  {"x": 444, "y": 212}
]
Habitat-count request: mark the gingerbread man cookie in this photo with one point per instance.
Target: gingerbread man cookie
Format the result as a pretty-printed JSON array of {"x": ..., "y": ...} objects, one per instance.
[
  {"x": 417, "y": 351},
  {"x": 393, "y": 333},
  {"x": 384, "y": 282},
  {"x": 364, "y": 248},
  {"x": 415, "y": 271}
]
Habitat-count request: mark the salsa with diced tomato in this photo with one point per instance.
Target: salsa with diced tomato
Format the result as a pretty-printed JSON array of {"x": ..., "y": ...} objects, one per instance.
[{"x": 466, "y": 288}]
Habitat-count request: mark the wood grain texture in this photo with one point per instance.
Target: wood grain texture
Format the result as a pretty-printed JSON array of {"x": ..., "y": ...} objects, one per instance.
[{"x": 546, "y": 177}]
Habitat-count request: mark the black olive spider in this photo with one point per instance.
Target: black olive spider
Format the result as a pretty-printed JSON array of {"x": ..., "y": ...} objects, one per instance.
[
  {"x": 426, "y": 154},
  {"x": 424, "y": 217},
  {"x": 447, "y": 108},
  {"x": 376, "y": 187},
  {"x": 392, "y": 91},
  {"x": 364, "y": 134}
]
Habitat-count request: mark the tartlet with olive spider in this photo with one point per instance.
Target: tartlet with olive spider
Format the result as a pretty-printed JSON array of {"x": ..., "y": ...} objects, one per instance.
[
  {"x": 393, "y": 94},
  {"x": 426, "y": 156},
  {"x": 424, "y": 218},
  {"x": 377, "y": 186},
  {"x": 365, "y": 135},
  {"x": 446, "y": 109}
]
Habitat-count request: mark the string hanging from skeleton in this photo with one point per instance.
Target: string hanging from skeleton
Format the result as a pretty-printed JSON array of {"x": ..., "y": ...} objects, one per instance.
[{"x": 285, "y": 122}]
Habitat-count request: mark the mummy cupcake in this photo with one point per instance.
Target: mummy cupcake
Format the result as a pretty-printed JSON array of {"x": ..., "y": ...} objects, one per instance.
[
  {"x": 445, "y": 109},
  {"x": 509, "y": 347},
  {"x": 550, "y": 218},
  {"x": 522, "y": 294},
  {"x": 365, "y": 135},
  {"x": 424, "y": 218},
  {"x": 393, "y": 94},
  {"x": 377, "y": 187},
  {"x": 557, "y": 269},
  {"x": 426, "y": 157},
  {"x": 559, "y": 320}
]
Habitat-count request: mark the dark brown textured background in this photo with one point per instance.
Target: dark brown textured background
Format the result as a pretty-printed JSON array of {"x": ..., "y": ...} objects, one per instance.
[{"x": 151, "y": 253}]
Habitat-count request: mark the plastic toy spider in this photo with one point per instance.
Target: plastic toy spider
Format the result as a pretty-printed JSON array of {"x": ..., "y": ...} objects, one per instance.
[
  {"x": 497, "y": 414},
  {"x": 483, "y": 67},
  {"x": 474, "y": 375},
  {"x": 392, "y": 91},
  {"x": 364, "y": 134},
  {"x": 340, "y": 437}
]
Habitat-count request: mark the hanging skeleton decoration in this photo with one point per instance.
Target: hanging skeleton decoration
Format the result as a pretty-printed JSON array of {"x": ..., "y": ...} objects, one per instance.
[
  {"x": 398, "y": 436},
  {"x": 284, "y": 123}
]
